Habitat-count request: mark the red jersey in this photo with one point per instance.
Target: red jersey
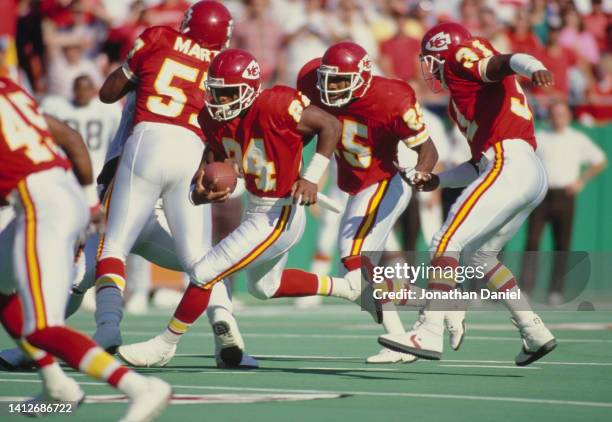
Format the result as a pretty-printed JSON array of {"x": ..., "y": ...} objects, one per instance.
[
  {"x": 169, "y": 69},
  {"x": 264, "y": 141},
  {"x": 485, "y": 111},
  {"x": 372, "y": 126},
  {"x": 26, "y": 145}
]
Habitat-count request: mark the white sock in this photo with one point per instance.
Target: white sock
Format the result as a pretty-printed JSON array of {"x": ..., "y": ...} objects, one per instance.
[
  {"x": 170, "y": 337},
  {"x": 342, "y": 288},
  {"x": 392, "y": 322},
  {"x": 52, "y": 374},
  {"x": 131, "y": 383},
  {"x": 109, "y": 306}
]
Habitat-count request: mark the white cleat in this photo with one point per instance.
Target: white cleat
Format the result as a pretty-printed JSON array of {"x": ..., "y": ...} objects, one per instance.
[
  {"x": 151, "y": 353},
  {"x": 364, "y": 297},
  {"x": 308, "y": 302},
  {"x": 65, "y": 391},
  {"x": 138, "y": 304},
  {"x": 389, "y": 356},
  {"x": 108, "y": 336},
  {"x": 455, "y": 324},
  {"x": 424, "y": 341},
  {"x": 149, "y": 402},
  {"x": 538, "y": 341},
  {"x": 15, "y": 360}
]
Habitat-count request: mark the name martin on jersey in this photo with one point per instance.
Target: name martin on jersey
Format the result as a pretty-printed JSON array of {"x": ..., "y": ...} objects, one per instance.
[{"x": 190, "y": 48}]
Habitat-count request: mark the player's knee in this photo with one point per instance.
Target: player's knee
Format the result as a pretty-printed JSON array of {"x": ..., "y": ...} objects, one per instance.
[{"x": 264, "y": 288}]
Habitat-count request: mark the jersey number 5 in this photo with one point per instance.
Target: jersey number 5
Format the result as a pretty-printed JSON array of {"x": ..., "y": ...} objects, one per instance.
[
  {"x": 355, "y": 152},
  {"x": 172, "y": 99}
]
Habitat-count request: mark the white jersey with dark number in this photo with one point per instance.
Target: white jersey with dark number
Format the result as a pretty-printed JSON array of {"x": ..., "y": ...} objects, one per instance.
[{"x": 96, "y": 122}]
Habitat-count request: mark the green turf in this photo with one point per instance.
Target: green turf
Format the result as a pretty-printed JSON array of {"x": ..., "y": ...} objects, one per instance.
[{"x": 323, "y": 350}]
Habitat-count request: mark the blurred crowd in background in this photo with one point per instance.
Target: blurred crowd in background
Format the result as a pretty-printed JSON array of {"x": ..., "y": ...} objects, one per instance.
[{"x": 47, "y": 43}]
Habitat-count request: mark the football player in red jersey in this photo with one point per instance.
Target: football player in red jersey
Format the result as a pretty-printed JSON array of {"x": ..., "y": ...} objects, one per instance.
[
  {"x": 37, "y": 252},
  {"x": 262, "y": 132},
  {"x": 166, "y": 70},
  {"x": 504, "y": 180},
  {"x": 376, "y": 114}
]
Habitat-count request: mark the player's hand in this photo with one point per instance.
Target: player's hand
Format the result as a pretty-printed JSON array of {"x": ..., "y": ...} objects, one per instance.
[
  {"x": 542, "y": 78},
  {"x": 304, "y": 192},
  {"x": 425, "y": 182},
  {"x": 201, "y": 194},
  {"x": 97, "y": 216}
]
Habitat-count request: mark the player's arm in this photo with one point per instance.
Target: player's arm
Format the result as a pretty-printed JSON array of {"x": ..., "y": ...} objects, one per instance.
[
  {"x": 315, "y": 121},
  {"x": 71, "y": 142},
  {"x": 501, "y": 65},
  {"x": 115, "y": 86},
  {"x": 457, "y": 177}
]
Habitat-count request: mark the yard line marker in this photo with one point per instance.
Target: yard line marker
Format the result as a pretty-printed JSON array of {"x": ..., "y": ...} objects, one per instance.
[{"x": 378, "y": 394}]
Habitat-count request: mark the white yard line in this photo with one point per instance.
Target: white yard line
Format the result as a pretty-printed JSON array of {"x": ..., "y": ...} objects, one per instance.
[
  {"x": 364, "y": 336},
  {"x": 524, "y": 400},
  {"x": 488, "y": 366}
]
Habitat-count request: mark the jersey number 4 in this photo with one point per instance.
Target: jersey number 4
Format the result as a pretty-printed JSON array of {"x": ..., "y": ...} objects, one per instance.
[
  {"x": 254, "y": 162},
  {"x": 20, "y": 132},
  {"x": 172, "y": 99}
]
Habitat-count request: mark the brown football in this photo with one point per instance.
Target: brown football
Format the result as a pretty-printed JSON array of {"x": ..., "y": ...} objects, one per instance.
[{"x": 219, "y": 176}]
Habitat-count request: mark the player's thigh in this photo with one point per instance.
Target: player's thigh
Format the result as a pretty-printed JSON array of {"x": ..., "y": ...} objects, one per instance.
[
  {"x": 52, "y": 214},
  {"x": 511, "y": 186},
  {"x": 155, "y": 243},
  {"x": 371, "y": 214},
  {"x": 130, "y": 201},
  {"x": 260, "y": 237}
]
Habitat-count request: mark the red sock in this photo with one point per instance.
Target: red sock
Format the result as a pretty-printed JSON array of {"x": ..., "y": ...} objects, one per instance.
[
  {"x": 79, "y": 352},
  {"x": 295, "y": 283},
  {"x": 193, "y": 304},
  {"x": 11, "y": 314}
]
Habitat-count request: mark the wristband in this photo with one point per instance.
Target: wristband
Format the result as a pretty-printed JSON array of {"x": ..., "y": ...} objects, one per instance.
[
  {"x": 316, "y": 168},
  {"x": 525, "y": 65},
  {"x": 91, "y": 196}
]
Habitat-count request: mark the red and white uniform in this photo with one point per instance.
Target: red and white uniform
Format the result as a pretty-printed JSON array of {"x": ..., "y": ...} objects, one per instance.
[
  {"x": 264, "y": 140},
  {"x": 372, "y": 127},
  {"x": 162, "y": 153},
  {"x": 170, "y": 69},
  {"x": 37, "y": 246},
  {"x": 485, "y": 113},
  {"x": 498, "y": 124},
  {"x": 266, "y": 143}
]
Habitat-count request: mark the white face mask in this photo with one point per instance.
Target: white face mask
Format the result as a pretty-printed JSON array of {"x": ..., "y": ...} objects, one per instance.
[
  {"x": 432, "y": 69},
  {"x": 229, "y": 110},
  {"x": 323, "y": 75}
]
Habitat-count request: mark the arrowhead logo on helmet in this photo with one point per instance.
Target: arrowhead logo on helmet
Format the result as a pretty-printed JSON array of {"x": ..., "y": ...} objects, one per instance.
[
  {"x": 252, "y": 71},
  {"x": 365, "y": 64},
  {"x": 439, "y": 42}
]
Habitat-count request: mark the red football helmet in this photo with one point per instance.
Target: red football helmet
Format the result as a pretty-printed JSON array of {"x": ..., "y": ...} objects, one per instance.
[
  {"x": 344, "y": 60},
  {"x": 436, "y": 46},
  {"x": 232, "y": 84},
  {"x": 209, "y": 23}
]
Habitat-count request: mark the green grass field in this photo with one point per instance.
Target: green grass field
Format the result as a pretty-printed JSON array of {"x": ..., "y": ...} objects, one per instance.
[{"x": 320, "y": 353}]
